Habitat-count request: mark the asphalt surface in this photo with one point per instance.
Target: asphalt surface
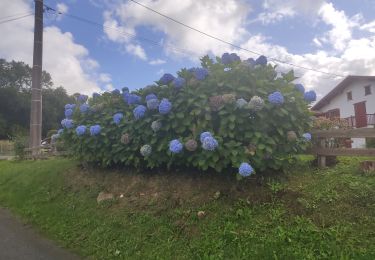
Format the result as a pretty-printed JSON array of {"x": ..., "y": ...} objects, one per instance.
[{"x": 20, "y": 242}]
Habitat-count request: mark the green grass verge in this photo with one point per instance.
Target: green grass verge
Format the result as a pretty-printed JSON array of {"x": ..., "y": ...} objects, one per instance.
[{"x": 304, "y": 214}]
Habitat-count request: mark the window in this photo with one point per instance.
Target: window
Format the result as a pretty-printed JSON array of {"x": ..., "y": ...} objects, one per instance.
[
  {"x": 367, "y": 90},
  {"x": 349, "y": 95},
  {"x": 333, "y": 113}
]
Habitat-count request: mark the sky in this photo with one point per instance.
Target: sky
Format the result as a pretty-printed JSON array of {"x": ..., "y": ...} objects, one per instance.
[{"x": 130, "y": 46}]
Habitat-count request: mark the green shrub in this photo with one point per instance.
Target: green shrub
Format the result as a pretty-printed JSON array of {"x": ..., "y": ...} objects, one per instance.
[
  {"x": 20, "y": 142},
  {"x": 255, "y": 134}
]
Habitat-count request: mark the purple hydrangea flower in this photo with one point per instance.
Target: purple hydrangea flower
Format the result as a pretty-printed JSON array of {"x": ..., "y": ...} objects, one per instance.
[
  {"x": 234, "y": 57},
  {"x": 245, "y": 169},
  {"x": 209, "y": 143},
  {"x": 300, "y": 88},
  {"x": 116, "y": 92},
  {"x": 204, "y": 135},
  {"x": 276, "y": 98},
  {"x": 68, "y": 113},
  {"x": 307, "y": 136},
  {"x": 226, "y": 58},
  {"x": 139, "y": 111},
  {"x": 153, "y": 104},
  {"x": 166, "y": 79},
  {"x": 117, "y": 118},
  {"x": 200, "y": 73},
  {"x": 151, "y": 96},
  {"x": 80, "y": 130},
  {"x": 310, "y": 96},
  {"x": 82, "y": 98},
  {"x": 165, "y": 106},
  {"x": 133, "y": 99},
  {"x": 84, "y": 108},
  {"x": 262, "y": 60},
  {"x": 179, "y": 82},
  {"x": 175, "y": 146},
  {"x": 95, "y": 130}
]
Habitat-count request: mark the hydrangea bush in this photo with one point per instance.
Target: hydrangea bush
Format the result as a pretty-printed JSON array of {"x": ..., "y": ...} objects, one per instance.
[{"x": 227, "y": 114}]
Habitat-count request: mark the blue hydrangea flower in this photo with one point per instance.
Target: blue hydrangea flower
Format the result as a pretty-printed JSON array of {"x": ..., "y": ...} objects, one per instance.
[
  {"x": 146, "y": 150},
  {"x": 240, "y": 103},
  {"x": 307, "y": 136},
  {"x": 234, "y": 57},
  {"x": 209, "y": 143},
  {"x": 204, "y": 135},
  {"x": 139, "y": 111},
  {"x": 54, "y": 138},
  {"x": 117, "y": 118},
  {"x": 95, "y": 95},
  {"x": 151, "y": 96},
  {"x": 68, "y": 113},
  {"x": 165, "y": 106},
  {"x": 179, "y": 82},
  {"x": 68, "y": 106},
  {"x": 166, "y": 79},
  {"x": 153, "y": 104},
  {"x": 134, "y": 99},
  {"x": 245, "y": 169},
  {"x": 60, "y": 131},
  {"x": 226, "y": 58},
  {"x": 262, "y": 60},
  {"x": 82, "y": 98},
  {"x": 310, "y": 96},
  {"x": 200, "y": 73},
  {"x": 276, "y": 98},
  {"x": 80, "y": 130},
  {"x": 67, "y": 123},
  {"x": 125, "y": 96},
  {"x": 116, "y": 92},
  {"x": 125, "y": 89},
  {"x": 95, "y": 130},
  {"x": 300, "y": 88},
  {"x": 175, "y": 146},
  {"x": 84, "y": 108}
]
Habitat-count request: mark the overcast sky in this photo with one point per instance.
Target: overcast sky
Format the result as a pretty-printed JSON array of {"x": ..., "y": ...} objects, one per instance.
[{"x": 333, "y": 36}]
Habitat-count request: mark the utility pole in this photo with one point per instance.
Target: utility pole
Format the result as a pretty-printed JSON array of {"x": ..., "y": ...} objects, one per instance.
[{"x": 36, "y": 86}]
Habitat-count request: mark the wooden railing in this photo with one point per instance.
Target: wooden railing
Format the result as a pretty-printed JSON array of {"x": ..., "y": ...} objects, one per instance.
[
  {"x": 322, "y": 151},
  {"x": 370, "y": 120}
]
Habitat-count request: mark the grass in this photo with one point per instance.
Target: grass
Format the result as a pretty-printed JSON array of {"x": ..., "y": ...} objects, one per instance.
[{"x": 303, "y": 214}]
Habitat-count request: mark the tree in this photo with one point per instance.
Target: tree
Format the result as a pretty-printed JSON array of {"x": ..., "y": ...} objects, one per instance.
[{"x": 15, "y": 98}]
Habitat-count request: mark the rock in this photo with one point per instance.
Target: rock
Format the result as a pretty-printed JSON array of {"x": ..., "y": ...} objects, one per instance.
[
  {"x": 201, "y": 214},
  {"x": 103, "y": 196}
]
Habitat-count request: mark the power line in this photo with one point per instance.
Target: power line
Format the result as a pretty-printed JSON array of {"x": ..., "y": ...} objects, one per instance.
[
  {"x": 12, "y": 15},
  {"x": 232, "y": 44},
  {"x": 16, "y": 18}
]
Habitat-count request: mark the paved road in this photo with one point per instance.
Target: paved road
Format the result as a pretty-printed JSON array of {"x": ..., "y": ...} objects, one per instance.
[{"x": 20, "y": 242}]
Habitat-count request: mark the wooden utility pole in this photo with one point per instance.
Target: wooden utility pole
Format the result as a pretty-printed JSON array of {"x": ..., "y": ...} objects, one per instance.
[{"x": 36, "y": 86}]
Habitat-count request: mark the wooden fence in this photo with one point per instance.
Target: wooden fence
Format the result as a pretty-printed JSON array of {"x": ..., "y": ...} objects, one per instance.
[{"x": 322, "y": 151}]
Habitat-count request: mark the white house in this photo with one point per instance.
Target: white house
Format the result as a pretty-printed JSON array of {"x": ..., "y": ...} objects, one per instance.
[{"x": 352, "y": 99}]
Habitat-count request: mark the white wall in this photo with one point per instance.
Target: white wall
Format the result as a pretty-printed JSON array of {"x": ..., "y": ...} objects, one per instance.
[{"x": 347, "y": 106}]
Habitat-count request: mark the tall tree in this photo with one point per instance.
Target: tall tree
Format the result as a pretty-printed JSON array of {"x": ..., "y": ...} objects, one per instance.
[{"x": 15, "y": 97}]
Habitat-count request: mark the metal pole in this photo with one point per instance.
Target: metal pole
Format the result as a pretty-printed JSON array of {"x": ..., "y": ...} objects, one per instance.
[{"x": 36, "y": 86}]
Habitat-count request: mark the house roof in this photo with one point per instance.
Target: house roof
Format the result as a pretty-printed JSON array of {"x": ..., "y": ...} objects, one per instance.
[{"x": 338, "y": 89}]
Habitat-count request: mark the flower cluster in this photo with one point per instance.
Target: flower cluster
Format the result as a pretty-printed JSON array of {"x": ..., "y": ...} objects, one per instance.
[
  {"x": 95, "y": 130},
  {"x": 166, "y": 79},
  {"x": 300, "y": 88},
  {"x": 276, "y": 98},
  {"x": 310, "y": 96},
  {"x": 70, "y": 106},
  {"x": 116, "y": 92},
  {"x": 152, "y": 104},
  {"x": 139, "y": 111},
  {"x": 67, "y": 123},
  {"x": 191, "y": 145},
  {"x": 208, "y": 141},
  {"x": 241, "y": 103},
  {"x": 227, "y": 58},
  {"x": 245, "y": 169},
  {"x": 229, "y": 98},
  {"x": 179, "y": 82},
  {"x": 307, "y": 136},
  {"x": 68, "y": 113},
  {"x": 291, "y": 136},
  {"x": 261, "y": 60},
  {"x": 117, "y": 118},
  {"x": 256, "y": 103},
  {"x": 150, "y": 96},
  {"x": 82, "y": 98},
  {"x": 175, "y": 146},
  {"x": 156, "y": 126},
  {"x": 84, "y": 108},
  {"x": 131, "y": 99},
  {"x": 216, "y": 102},
  {"x": 165, "y": 106},
  {"x": 80, "y": 130},
  {"x": 200, "y": 73},
  {"x": 146, "y": 150}
]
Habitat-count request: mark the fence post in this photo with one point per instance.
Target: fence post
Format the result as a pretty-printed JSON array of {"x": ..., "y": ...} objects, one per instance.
[{"x": 322, "y": 163}]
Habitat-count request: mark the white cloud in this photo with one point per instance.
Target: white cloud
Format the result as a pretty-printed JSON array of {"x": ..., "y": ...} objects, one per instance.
[
  {"x": 157, "y": 62},
  {"x": 369, "y": 27},
  {"x": 136, "y": 50},
  {"x": 62, "y": 8},
  {"x": 68, "y": 63}
]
